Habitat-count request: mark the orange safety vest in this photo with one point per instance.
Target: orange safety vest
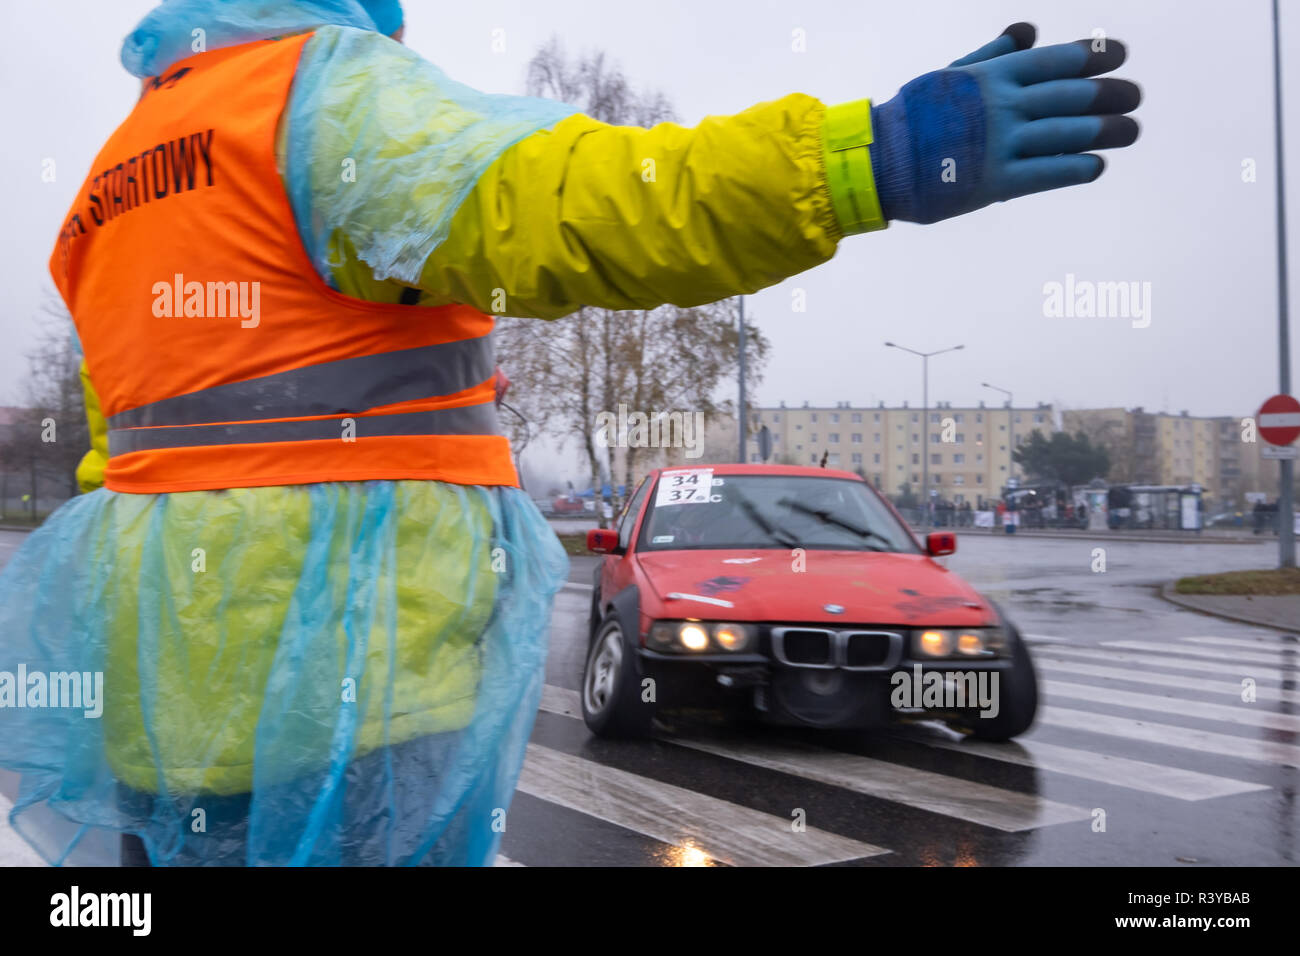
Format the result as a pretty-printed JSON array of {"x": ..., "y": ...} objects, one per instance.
[{"x": 220, "y": 356}]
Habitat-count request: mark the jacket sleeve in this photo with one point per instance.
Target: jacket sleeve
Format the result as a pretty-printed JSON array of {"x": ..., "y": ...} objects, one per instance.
[
  {"x": 523, "y": 207},
  {"x": 627, "y": 218}
]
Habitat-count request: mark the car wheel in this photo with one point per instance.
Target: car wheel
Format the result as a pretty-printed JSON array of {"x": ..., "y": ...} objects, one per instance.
[
  {"x": 611, "y": 687},
  {"x": 1017, "y": 700}
]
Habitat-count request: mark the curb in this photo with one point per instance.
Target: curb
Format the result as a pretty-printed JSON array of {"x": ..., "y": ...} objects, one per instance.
[{"x": 1167, "y": 592}]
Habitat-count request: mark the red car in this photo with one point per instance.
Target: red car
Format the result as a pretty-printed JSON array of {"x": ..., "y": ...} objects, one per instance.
[{"x": 797, "y": 593}]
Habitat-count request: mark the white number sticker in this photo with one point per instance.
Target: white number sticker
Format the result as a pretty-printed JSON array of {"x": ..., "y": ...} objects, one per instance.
[{"x": 684, "y": 486}]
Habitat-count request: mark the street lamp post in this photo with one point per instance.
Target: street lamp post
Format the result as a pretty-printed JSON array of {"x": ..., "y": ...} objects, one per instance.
[
  {"x": 740, "y": 416},
  {"x": 1286, "y": 526},
  {"x": 925, "y": 423},
  {"x": 1011, "y": 407}
]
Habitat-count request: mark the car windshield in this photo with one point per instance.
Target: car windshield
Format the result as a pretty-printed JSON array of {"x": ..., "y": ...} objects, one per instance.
[{"x": 694, "y": 509}]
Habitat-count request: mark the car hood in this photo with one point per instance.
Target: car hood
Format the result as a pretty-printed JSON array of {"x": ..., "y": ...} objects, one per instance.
[{"x": 834, "y": 587}]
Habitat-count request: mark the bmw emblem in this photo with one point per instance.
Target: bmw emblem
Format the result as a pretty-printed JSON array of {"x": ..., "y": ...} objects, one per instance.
[{"x": 834, "y": 608}]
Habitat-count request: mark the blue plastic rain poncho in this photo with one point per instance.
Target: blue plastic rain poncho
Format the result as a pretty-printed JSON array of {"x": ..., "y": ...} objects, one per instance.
[{"x": 341, "y": 673}]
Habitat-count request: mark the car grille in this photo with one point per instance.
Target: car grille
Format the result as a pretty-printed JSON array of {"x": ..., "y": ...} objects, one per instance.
[{"x": 854, "y": 649}]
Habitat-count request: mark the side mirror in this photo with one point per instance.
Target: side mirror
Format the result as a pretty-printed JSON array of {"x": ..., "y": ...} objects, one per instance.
[
  {"x": 603, "y": 541},
  {"x": 937, "y": 543}
]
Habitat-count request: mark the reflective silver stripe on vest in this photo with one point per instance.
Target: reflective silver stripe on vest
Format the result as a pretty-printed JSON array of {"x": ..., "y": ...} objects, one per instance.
[
  {"x": 466, "y": 420},
  {"x": 328, "y": 388}
]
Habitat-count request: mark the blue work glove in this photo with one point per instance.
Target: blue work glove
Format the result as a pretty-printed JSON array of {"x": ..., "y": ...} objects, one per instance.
[{"x": 1003, "y": 122}]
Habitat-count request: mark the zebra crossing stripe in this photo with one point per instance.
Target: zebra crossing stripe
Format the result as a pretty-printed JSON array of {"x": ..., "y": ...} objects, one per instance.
[
  {"x": 1006, "y": 810},
  {"x": 703, "y": 827},
  {"x": 1205, "y": 741},
  {"x": 1241, "y": 713},
  {"x": 1257, "y": 672},
  {"x": 14, "y": 850},
  {"x": 1292, "y": 647},
  {"x": 1236, "y": 657},
  {"x": 1263, "y": 694},
  {"x": 1104, "y": 768}
]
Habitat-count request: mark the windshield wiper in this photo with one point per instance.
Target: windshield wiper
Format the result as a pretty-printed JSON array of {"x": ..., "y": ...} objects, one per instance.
[
  {"x": 829, "y": 517},
  {"x": 778, "y": 534}
]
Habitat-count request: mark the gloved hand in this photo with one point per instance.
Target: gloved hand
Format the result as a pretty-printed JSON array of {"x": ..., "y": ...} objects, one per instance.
[{"x": 1003, "y": 122}]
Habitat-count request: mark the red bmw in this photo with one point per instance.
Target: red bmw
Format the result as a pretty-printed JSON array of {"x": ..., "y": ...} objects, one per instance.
[{"x": 800, "y": 594}]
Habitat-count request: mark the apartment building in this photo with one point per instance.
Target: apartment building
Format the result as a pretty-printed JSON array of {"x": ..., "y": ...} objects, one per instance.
[{"x": 968, "y": 447}]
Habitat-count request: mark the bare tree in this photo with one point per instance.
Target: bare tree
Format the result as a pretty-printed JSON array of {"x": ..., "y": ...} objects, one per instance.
[
  {"x": 670, "y": 358},
  {"x": 49, "y": 435}
]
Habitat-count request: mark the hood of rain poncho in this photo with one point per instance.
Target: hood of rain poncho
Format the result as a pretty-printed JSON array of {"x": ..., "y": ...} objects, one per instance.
[{"x": 167, "y": 33}]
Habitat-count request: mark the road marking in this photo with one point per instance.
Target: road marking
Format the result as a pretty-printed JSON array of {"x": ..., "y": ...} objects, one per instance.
[
  {"x": 1265, "y": 694},
  {"x": 703, "y": 827},
  {"x": 1227, "y": 745},
  {"x": 1236, "y": 657},
  {"x": 14, "y": 850},
  {"x": 503, "y": 860},
  {"x": 1258, "y": 672},
  {"x": 1241, "y": 713},
  {"x": 562, "y": 701},
  {"x": 1006, "y": 810},
  {"x": 1103, "y": 768},
  {"x": 1291, "y": 646}
]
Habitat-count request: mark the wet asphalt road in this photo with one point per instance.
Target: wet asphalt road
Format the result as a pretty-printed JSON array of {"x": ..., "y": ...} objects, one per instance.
[{"x": 1140, "y": 718}]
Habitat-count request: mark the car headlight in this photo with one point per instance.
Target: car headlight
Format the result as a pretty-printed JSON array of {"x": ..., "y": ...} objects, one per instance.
[
  {"x": 959, "y": 642},
  {"x": 697, "y": 636},
  {"x": 933, "y": 643},
  {"x": 693, "y": 637}
]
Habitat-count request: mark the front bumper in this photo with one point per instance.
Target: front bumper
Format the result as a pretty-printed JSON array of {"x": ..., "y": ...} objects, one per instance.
[{"x": 862, "y": 690}]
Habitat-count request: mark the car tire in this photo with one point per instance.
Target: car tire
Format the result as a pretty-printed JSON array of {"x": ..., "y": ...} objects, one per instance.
[
  {"x": 611, "y": 687},
  {"x": 1017, "y": 699}
]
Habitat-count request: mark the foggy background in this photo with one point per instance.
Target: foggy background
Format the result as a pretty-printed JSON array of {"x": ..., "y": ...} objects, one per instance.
[{"x": 1171, "y": 210}]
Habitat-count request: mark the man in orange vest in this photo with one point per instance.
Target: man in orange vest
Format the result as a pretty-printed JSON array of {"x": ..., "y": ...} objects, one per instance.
[{"x": 315, "y": 595}]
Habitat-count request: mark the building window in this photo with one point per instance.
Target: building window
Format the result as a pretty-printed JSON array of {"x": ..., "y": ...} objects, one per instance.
[
  {"x": 834, "y": 438},
  {"x": 1017, "y": 419},
  {"x": 916, "y": 439},
  {"x": 934, "y": 438},
  {"x": 813, "y": 417},
  {"x": 959, "y": 418},
  {"x": 877, "y": 438},
  {"x": 798, "y": 428},
  {"x": 835, "y": 418},
  {"x": 979, "y": 459},
  {"x": 916, "y": 459},
  {"x": 876, "y": 418},
  {"x": 834, "y": 459},
  {"x": 979, "y": 479},
  {"x": 959, "y": 479},
  {"x": 979, "y": 438},
  {"x": 812, "y": 437},
  {"x": 936, "y": 459},
  {"x": 915, "y": 418},
  {"x": 915, "y": 478},
  {"x": 961, "y": 438},
  {"x": 776, "y": 416},
  {"x": 812, "y": 459},
  {"x": 959, "y": 459},
  {"x": 857, "y": 458},
  {"x": 1038, "y": 419},
  {"x": 875, "y": 459},
  {"x": 857, "y": 418},
  {"x": 857, "y": 438},
  {"x": 936, "y": 479},
  {"x": 934, "y": 418},
  {"x": 979, "y": 418}
]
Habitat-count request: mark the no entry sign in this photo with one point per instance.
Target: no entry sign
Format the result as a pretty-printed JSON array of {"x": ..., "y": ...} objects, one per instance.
[{"x": 1279, "y": 420}]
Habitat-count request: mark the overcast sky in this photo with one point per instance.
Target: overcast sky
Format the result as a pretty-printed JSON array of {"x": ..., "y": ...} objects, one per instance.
[{"x": 1172, "y": 210}]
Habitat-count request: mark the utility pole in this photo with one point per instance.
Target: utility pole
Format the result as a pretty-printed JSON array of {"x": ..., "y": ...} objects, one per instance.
[
  {"x": 740, "y": 411},
  {"x": 925, "y": 423},
  {"x": 1285, "y": 505}
]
